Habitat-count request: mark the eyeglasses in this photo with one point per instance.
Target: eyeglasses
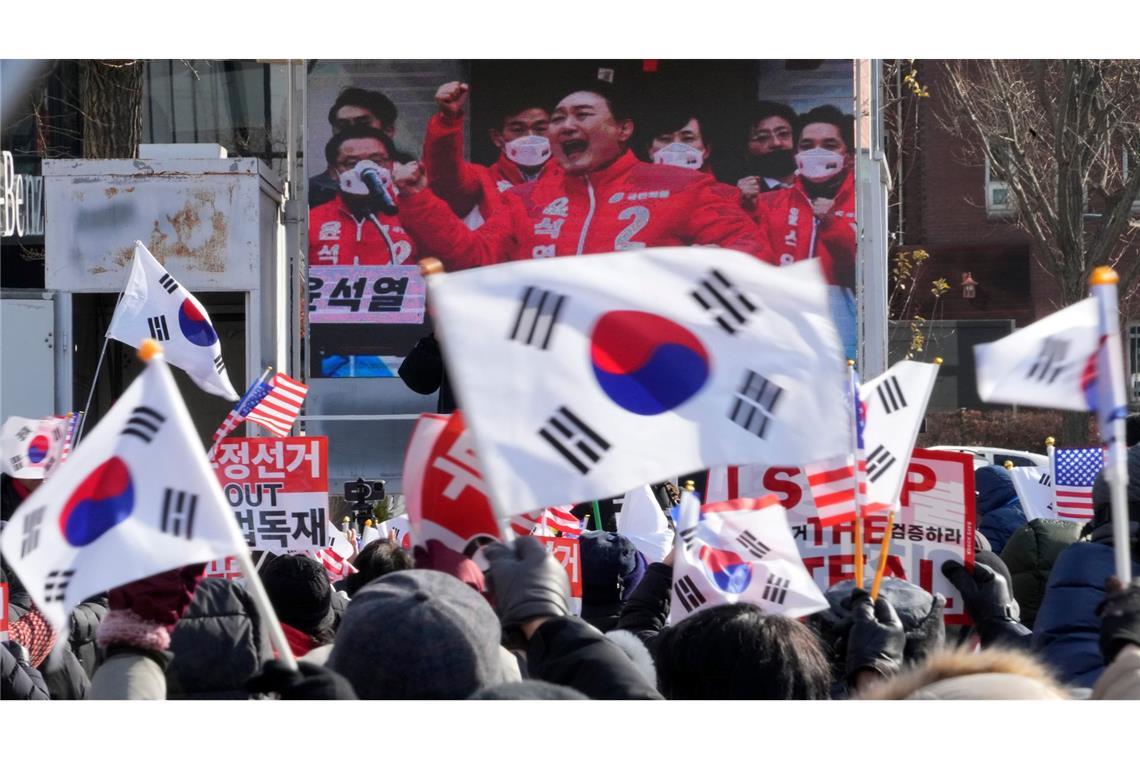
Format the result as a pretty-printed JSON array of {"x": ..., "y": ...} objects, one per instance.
[{"x": 765, "y": 135}]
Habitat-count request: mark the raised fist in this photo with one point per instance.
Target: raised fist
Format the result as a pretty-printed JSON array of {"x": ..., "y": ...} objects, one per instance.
[
  {"x": 410, "y": 177},
  {"x": 750, "y": 191},
  {"x": 452, "y": 98}
]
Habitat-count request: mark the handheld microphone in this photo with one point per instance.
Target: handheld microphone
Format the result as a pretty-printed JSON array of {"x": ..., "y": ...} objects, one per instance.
[{"x": 370, "y": 176}]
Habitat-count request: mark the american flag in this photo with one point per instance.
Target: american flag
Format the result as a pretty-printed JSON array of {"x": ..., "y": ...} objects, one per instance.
[
  {"x": 1074, "y": 471},
  {"x": 274, "y": 403},
  {"x": 72, "y": 424},
  {"x": 557, "y": 518},
  {"x": 832, "y": 483}
]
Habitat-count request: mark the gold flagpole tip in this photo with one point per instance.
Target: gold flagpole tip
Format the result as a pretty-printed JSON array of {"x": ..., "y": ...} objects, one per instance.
[
  {"x": 938, "y": 360},
  {"x": 148, "y": 349},
  {"x": 1104, "y": 276},
  {"x": 690, "y": 485},
  {"x": 1007, "y": 464},
  {"x": 1050, "y": 441},
  {"x": 850, "y": 362},
  {"x": 430, "y": 266}
]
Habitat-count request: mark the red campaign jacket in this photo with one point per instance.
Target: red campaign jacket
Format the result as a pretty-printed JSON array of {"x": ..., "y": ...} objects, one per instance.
[
  {"x": 793, "y": 233},
  {"x": 461, "y": 184},
  {"x": 628, "y": 205},
  {"x": 336, "y": 237}
]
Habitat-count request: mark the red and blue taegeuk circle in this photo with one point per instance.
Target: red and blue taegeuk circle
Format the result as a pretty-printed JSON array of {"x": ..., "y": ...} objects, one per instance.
[
  {"x": 38, "y": 449},
  {"x": 645, "y": 363},
  {"x": 104, "y": 499},
  {"x": 727, "y": 569},
  {"x": 195, "y": 326}
]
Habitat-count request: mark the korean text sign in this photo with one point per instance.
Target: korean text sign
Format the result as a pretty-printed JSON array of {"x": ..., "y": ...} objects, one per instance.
[
  {"x": 366, "y": 294},
  {"x": 278, "y": 489}
]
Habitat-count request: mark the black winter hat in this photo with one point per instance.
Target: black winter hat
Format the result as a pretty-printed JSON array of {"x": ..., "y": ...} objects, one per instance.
[
  {"x": 300, "y": 592},
  {"x": 611, "y": 566},
  {"x": 924, "y": 632}
]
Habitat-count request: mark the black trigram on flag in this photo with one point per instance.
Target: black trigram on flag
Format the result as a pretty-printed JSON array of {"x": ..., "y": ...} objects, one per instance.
[
  {"x": 1045, "y": 480},
  {"x": 158, "y": 329},
  {"x": 687, "y": 591},
  {"x": 178, "y": 509},
  {"x": 755, "y": 404},
  {"x": 219, "y": 364},
  {"x": 1049, "y": 363},
  {"x": 724, "y": 301},
  {"x": 23, "y": 433},
  {"x": 168, "y": 283},
  {"x": 687, "y": 536},
  {"x": 755, "y": 546},
  {"x": 55, "y": 587},
  {"x": 879, "y": 462},
  {"x": 776, "y": 589},
  {"x": 576, "y": 441},
  {"x": 31, "y": 538},
  {"x": 144, "y": 423},
  {"x": 537, "y": 315},
  {"x": 890, "y": 393},
  {"x": 17, "y": 462}
]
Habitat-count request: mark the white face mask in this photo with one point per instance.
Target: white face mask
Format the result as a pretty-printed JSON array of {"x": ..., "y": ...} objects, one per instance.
[
  {"x": 351, "y": 184},
  {"x": 680, "y": 154},
  {"x": 819, "y": 164},
  {"x": 352, "y": 181},
  {"x": 530, "y": 151}
]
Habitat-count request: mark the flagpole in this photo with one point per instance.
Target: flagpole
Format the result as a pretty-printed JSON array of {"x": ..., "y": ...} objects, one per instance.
[
  {"x": 858, "y": 537},
  {"x": 884, "y": 552},
  {"x": 95, "y": 379},
  {"x": 1104, "y": 282}
]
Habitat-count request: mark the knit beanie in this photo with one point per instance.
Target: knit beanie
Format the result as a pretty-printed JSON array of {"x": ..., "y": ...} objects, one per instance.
[{"x": 418, "y": 634}]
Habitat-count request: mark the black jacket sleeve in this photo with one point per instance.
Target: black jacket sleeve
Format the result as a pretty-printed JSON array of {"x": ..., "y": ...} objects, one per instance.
[
  {"x": 570, "y": 652},
  {"x": 647, "y": 608},
  {"x": 18, "y": 680},
  {"x": 422, "y": 369}
]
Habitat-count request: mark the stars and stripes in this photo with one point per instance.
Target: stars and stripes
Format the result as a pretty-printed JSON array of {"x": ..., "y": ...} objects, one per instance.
[
  {"x": 274, "y": 403},
  {"x": 1074, "y": 472},
  {"x": 560, "y": 519}
]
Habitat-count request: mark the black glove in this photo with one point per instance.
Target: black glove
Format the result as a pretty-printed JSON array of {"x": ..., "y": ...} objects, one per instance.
[
  {"x": 876, "y": 638},
  {"x": 1120, "y": 615},
  {"x": 989, "y": 603},
  {"x": 308, "y": 682},
  {"x": 526, "y": 582}
]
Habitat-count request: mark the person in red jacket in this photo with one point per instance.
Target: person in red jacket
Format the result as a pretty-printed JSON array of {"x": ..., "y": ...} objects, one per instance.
[
  {"x": 357, "y": 227},
  {"x": 816, "y": 216},
  {"x": 471, "y": 190},
  {"x": 606, "y": 200}
]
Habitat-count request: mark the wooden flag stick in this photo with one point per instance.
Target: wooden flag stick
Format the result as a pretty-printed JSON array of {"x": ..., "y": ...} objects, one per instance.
[
  {"x": 884, "y": 552},
  {"x": 859, "y": 560}
]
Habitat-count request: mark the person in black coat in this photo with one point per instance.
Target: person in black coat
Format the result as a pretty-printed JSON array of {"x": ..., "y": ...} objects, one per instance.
[
  {"x": 1067, "y": 628},
  {"x": 424, "y": 372},
  {"x": 18, "y": 679}
]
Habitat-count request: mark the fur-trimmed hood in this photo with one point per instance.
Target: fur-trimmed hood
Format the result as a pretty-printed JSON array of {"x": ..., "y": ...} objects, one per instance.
[
  {"x": 962, "y": 674},
  {"x": 636, "y": 651}
]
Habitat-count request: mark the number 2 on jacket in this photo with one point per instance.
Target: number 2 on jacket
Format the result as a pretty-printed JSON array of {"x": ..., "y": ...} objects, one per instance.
[{"x": 624, "y": 241}]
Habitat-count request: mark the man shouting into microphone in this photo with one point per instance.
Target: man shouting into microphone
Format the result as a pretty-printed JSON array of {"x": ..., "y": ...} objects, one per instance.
[{"x": 360, "y": 225}]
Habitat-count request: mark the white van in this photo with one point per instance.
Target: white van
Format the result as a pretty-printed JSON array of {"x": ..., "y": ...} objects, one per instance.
[{"x": 987, "y": 455}]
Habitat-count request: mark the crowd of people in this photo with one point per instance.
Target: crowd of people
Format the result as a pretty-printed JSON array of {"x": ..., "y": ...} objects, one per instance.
[
  {"x": 1048, "y": 621},
  {"x": 578, "y": 174}
]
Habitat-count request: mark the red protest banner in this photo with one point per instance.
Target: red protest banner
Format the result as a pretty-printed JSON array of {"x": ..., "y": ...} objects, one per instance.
[
  {"x": 569, "y": 553},
  {"x": 278, "y": 489},
  {"x": 935, "y": 523}
]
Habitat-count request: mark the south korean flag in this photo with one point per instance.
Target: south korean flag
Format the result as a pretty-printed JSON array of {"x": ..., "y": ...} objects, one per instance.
[
  {"x": 135, "y": 498},
  {"x": 616, "y": 370},
  {"x": 740, "y": 551},
  {"x": 1051, "y": 363},
  {"x": 32, "y": 449},
  {"x": 155, "y": 306}
]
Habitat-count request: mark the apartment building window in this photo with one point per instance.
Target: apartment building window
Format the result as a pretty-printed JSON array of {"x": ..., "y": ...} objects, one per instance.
[{"x": 999, "y": 200}]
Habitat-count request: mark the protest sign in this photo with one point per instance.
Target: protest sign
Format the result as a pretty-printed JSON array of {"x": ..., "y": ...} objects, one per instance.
[
  {"x": 278, "y": 490},
  {"x": 366, "y": 294},
  {"x": 569, "y": 553},
  {"x": 936, "y": 522},
  {"x": 226, "y": 568},
  {"x": 3, "y": 611}
]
